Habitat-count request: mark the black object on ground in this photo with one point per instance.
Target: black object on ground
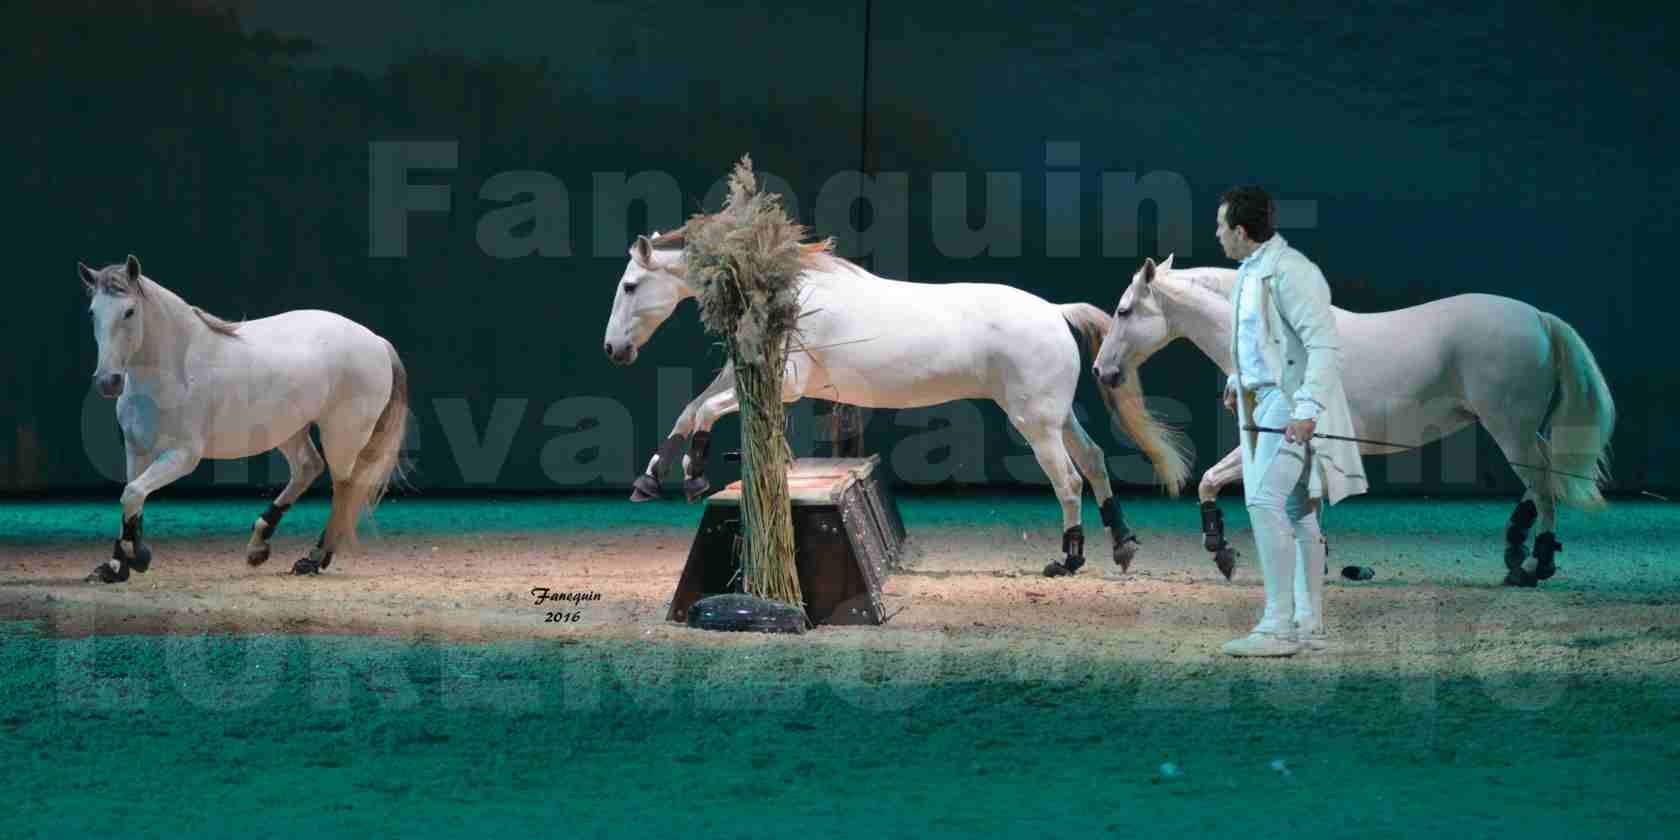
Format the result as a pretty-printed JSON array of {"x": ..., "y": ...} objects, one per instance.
[{"x": 738, "y": 612}]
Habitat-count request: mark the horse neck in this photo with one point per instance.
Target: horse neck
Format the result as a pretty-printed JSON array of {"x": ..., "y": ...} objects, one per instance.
[
  {"x": 171, "y": 326},
  {"x": 1201, "y": 315}
]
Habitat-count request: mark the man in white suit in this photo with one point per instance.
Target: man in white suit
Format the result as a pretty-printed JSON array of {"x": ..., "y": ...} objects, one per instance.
[{"x": 1288, "y": 375}]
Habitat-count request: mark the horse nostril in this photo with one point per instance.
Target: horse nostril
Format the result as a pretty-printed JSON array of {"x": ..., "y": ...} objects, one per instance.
[{"x": 609, "y": 349}]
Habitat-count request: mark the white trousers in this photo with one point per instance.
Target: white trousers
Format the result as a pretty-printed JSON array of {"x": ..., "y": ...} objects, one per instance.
[{"x": 1283, "y": 515}]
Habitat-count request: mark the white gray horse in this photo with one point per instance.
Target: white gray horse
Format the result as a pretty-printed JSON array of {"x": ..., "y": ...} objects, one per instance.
[
  {"x": 1413, "y": 376},
  {"x": 878, "y": 343},
  {"x": 190, "y": 386}
]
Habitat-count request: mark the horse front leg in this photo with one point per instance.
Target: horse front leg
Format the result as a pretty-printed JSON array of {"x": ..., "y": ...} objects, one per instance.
[
  {"x": 646, "y": 487},
  {"x": 130, "y": 550},
  {"x": 711, "y": 409},
  {"x": 1227, "y": 471},
  {"x": 796, "y": 379}
]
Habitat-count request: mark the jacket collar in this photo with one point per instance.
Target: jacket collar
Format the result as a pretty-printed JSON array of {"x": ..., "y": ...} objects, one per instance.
[{"x": 1263, "y": 262}]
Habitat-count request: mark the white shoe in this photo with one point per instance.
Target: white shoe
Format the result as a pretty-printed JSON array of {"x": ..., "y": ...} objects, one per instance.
[{"x": 1262, "y": 643}]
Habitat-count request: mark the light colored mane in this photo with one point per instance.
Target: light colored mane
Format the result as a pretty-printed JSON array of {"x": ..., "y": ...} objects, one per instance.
[
  {"x": 1181, "y": 284},
  {"x": 818, "y": 255},
  {"x": 220, "y": 326},
  {"x": 113, "y": 282}
]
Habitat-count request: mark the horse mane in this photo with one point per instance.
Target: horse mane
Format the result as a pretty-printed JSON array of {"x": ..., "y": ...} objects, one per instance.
[
  {"x": 816, "y": 255},
  {"x": 113, "y": 281},
  {"x": 1196, "y": 280},
  {"x": 220, "y": 326}
]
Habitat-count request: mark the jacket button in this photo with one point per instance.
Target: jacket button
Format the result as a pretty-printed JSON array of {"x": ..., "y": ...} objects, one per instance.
[{"x": 1292, "y": 361}]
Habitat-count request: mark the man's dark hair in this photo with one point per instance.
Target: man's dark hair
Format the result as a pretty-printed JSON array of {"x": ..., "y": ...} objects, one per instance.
[{"x": 1249, "y": 207}]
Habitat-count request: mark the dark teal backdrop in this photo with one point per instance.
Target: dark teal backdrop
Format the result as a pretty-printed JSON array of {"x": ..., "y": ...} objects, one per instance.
[{"x": 1517, "y": 150}]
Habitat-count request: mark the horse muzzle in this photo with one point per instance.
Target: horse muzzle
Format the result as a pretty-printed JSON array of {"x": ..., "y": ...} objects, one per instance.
[
  {"x": 1110, "y": 379},
  {"x": 620, "y": 354},
  {"x": 110, "y": 385}
]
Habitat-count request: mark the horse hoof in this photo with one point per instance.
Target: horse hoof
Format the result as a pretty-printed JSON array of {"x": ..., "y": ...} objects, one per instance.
[
  {"x": 1054, "y": 568},
  {"x": 645, "y": 488},
  {"x": 1125, "y": 550},
  {"x": 1544, "y": 569},
  {"x": 326, "y": 560},
  {"x": 103, "y": 573},
  {"x": 142, "y": 558},
  {"x": 257, "y": 556},
  {"x": 1520, "y": 577},
  {"x": 306, "y": 566},
  {"x": 695, "y": 488},
  {"x": 1225, "y": 559}
]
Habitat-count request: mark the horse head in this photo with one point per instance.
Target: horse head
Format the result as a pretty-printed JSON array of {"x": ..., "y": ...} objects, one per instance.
[
  {"x": 1139, "y": 327},
  {"x": 654, "y": 282},
  {"x": 117, "y": 308}
]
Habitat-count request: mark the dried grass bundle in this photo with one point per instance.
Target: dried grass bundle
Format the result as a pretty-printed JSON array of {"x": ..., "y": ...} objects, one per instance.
[{"x": 744, "y": 263}]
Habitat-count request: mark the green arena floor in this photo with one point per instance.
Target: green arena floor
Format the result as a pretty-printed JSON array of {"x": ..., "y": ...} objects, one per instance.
[{"x": 330, "y": 736}]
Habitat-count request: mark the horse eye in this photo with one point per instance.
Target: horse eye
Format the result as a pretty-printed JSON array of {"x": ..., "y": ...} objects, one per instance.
[
  {"x": 129, "y": 314},
  {"x": 629, "y": 288}
]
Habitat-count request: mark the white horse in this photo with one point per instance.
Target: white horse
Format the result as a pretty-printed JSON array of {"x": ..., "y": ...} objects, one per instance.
[
  {"x": 190, "y": 386},
  {"x": 1414, "y": 376},
  {"x": 869, "y": 341}
]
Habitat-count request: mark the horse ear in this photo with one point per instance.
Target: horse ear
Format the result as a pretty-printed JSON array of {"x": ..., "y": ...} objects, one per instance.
[
  {"x": 90, "y": 281},
  {"x": 1148, "y": 269},
  {"x": 131, "y": 268},
  {"x": 1166, "y": 265},
  {"x": 644, "y": 250}
]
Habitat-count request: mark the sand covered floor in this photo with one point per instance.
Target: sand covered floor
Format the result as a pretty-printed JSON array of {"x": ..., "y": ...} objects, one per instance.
[{"x": 416, "y": 687}]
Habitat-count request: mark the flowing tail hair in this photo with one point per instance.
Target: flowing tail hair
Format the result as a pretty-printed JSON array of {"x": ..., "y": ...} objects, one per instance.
[
  {"x": 380, "y": 463},
  {"x": 1166, "y": 447},
  {"x": 1580, "y": 423}
]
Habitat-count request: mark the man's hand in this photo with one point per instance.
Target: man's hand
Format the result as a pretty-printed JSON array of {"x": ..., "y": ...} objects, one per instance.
[
  {"x": 1231, "y": 400},
  {"x": 1299, "y": 431}
]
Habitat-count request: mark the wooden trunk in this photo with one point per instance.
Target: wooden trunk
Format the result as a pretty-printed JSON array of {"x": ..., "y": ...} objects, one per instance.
[{"x": 846, "y": 531}]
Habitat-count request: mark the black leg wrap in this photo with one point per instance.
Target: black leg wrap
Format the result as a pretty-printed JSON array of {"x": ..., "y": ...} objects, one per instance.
[
  {"x": 1073, "y": 551},
  {"x": 1516, "y": 535},
  {"x": 271, "y": 520},
  {"x": 670, "y": 452},
  {"x": 1111, "y": 517},
  {"x": 1125, "y": 542},
  {"x": 1073, "y": 543},
  {"x": 698, "y": 444},
  {"x": 1546, "y": 546},
  {"x": 133, "y": 533},
  {"x": 1213, "y": 526}
]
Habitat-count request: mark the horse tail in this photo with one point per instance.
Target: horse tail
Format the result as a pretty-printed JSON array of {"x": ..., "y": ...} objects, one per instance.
[
  {"x": 1166, "y": 447},
  {"x": 1582, "y": 418},
  {"x": 380, "y": 463}
]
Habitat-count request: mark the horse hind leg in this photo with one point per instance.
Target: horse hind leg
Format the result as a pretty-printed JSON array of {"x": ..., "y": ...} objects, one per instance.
[
  {"x": 1046, "y": 441},
  {"x": 342, "y": 441},
  {"x": 305, "y": 465},
  {"x": 1088, "y": 457}
]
